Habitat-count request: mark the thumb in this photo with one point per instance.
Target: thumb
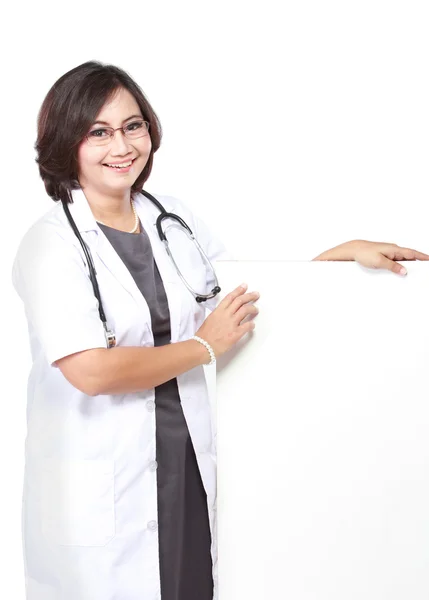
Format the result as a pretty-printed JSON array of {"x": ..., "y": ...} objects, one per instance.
[{"x": 390, "y": 265}]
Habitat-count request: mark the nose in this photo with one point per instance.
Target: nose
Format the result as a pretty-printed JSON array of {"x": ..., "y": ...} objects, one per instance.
[{"x": 119, "y": 144}]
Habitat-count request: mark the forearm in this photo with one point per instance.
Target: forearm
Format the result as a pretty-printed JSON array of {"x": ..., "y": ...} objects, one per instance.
[
  {"x": 344, "y": 251},
  {"x": 125, "y": 369}
]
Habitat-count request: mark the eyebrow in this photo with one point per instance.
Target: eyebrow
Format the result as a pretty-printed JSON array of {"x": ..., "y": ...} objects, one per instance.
[{"x": 105, "y": 123}]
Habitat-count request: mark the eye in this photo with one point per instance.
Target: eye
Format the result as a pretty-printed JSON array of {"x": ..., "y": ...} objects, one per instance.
[
  {"x": 134, "y": 126},
  {"x": 98, "y": 133}
]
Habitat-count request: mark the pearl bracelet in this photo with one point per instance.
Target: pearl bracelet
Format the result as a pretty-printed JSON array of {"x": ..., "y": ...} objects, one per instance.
[{"x": 209, "y": 348}]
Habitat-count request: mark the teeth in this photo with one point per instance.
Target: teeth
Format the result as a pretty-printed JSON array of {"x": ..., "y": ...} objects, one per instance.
[{"x": 121, "y": 166}]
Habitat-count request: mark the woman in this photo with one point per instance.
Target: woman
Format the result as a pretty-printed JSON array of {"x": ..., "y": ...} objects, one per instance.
[{"x": 119, "y": 499}]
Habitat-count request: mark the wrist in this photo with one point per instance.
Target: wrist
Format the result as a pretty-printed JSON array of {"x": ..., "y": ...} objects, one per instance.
[
  {"x": 210, "y": 357},
  {"x": 199, "y": 353},
  {"x": 354, "y": 247}
]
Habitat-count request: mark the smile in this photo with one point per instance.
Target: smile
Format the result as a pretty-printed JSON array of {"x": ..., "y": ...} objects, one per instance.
[{"x": 121, "y": 167}]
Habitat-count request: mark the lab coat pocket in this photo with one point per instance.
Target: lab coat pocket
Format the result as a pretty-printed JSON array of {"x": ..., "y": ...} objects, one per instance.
[{"x": 77, "y": 502}]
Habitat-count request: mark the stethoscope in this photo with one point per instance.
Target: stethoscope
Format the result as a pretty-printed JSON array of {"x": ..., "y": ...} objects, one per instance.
[{"x": 110, "y": 334}]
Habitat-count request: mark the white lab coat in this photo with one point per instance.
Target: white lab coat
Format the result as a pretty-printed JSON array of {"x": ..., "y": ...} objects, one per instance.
[{"x": 90, "y": 495}]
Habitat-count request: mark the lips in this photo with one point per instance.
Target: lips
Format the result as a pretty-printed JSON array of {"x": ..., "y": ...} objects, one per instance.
[{"x": 118, "y": 165}]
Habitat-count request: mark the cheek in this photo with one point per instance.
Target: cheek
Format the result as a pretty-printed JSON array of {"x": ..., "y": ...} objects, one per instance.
[
  {"x": 87, "y": 160},
  {"x": 145, "y": 147}
]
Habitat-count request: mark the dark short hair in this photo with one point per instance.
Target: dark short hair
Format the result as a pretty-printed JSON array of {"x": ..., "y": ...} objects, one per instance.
[{"x": 66, "y": 116}]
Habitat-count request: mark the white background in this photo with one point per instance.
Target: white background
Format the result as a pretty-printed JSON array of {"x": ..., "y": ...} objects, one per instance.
[{"x": 290, "y": 127}]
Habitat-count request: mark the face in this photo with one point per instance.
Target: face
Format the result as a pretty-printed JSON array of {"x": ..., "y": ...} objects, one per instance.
[{"x": 93, "y": 173}]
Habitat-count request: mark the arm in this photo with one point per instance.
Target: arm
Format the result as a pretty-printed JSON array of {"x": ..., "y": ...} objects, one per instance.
[
  {"x": 346, "y": 251},
  {"x": 373, "y": 255},
  {"x": 123, "y": 369}
]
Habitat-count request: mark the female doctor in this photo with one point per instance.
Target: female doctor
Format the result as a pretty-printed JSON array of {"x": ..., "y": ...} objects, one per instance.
[{"x": 119, "y": 491}]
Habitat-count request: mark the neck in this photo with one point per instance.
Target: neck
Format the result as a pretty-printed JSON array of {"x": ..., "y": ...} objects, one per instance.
[
  {"x": 116, "y": 212},
  {"x": 110, "y": 209}
]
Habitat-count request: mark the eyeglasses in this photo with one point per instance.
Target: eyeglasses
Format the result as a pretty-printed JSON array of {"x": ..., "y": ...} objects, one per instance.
[{"x": 134, "y": 130}]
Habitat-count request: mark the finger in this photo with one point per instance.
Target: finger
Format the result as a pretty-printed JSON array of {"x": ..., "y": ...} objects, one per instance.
[
  {"x": 237, "y": 303},
  {"x": 390, "y": 265},
  {"x": 246, "y": 327},
  {"x": 229, "y": 298},
  {"x": 410, "y": 254},
  {"x": 245, "y": 311}
]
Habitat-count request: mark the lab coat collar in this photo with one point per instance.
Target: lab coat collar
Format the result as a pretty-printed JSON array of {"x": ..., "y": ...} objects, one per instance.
[{"x": 81, "y": 212}]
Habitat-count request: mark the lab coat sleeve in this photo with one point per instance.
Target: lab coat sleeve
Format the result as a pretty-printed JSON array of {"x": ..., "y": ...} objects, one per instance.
[{"x": 52, "y": 280}]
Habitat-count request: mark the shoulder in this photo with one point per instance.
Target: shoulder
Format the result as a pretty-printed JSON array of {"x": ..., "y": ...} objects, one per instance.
[
  {"x": 48, "y": 238},
  {"x": 52, "y": 227}
]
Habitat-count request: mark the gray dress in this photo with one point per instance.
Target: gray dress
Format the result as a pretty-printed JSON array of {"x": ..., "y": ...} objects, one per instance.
[{"x": 183, "y": 522}]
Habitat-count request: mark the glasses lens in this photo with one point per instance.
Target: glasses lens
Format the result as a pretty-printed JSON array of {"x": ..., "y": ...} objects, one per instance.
[
  {"x": 136, "y": 129},
  {"x": 99, "y": 137},
  {"x": 103, "y": 135}
]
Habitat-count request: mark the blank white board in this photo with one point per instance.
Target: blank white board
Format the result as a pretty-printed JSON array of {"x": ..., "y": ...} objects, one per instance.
[{"x": 323, "y": 435}]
